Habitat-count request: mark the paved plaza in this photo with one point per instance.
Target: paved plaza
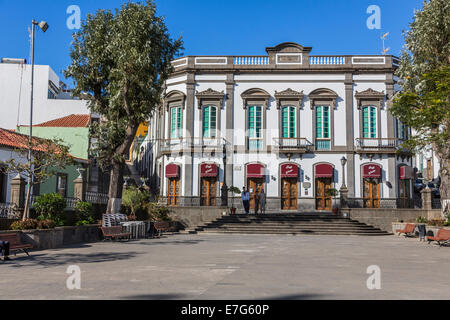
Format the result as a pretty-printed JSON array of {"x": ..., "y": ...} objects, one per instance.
[{"x": 234, "y": 267}]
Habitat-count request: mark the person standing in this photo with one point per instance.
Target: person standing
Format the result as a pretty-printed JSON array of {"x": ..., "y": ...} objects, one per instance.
[
  {"x": 4, "y": 249},
  {"x": 245, "y": 200},
  {"x": 257, "y": 199},
  {"x": 262, "y": 201}
]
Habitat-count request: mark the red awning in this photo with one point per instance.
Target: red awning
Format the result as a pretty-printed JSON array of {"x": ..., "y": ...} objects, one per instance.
[
  {"x": 371, "y": 171},
  {"x": 172, "y": 171},
  {"x": 324, "y": 171},
  {"x": 208, "y": 170},
  {"x": 289, "y": 170},
  {"x": 406, "y": 173},
  {"x": 255, "y": 171}
]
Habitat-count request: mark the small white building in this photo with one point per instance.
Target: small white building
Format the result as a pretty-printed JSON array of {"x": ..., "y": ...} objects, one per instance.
[
  {"x": 285, "y": 120},
  {"x": 51, "y": 98}
]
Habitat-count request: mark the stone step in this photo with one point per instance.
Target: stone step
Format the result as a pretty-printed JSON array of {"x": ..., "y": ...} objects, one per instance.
[{"x": 297, "y": 232}]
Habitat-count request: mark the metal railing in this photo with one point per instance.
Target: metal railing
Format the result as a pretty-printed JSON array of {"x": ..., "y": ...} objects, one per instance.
[
  {"x": 378, "y": 144},
  {"x": 96, "y": 198},
  {"x": 292, "y": 144},
  {"x": 9, "y": 211},
  {"x": 436, "y": 204},
  {"x": 387, "y": 203},
  {"x": 176, "y": 145}
]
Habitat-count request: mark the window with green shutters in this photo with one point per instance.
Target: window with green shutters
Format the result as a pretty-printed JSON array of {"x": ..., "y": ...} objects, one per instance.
[
  {"x": 255, "y": 127},
  {"x": 369, "y": 122},
  {"x": 323, "y": 141},
  {"x": 402, "y": 130},
  {"x": 175, "y": 122},
  {"x": 209, "y": 121},
  {"x": 288, "y": 122}
]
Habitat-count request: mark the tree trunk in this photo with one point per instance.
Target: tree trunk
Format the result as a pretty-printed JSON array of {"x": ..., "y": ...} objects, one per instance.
[
  {"x": 115, "y": 188},
  {"x": 444, "y": 174}
]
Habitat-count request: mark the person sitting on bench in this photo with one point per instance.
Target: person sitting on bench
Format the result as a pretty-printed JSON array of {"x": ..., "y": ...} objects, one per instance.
[{"x": 4, "y": 248}]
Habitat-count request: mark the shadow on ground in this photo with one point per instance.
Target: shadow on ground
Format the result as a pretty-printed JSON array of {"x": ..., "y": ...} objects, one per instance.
[
  {"x": 303, "y": 296},
  {"x": 155, "y": 297},
  {"x": 171, "y": 242},
  {"x": 56, "y": 259}
]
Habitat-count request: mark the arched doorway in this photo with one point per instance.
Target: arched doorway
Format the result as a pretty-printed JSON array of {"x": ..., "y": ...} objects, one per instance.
[
  {"x": 289, "y": 186},
  {"x": 371, "y": 185},
  {"x": 208, "y": 184},
  {"x": 324, "y": 182},
  {"x": 256, "y": 174},
  {"x": 173, "y": 185}
]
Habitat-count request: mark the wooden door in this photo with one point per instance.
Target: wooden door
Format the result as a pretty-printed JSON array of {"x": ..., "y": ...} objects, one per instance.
[
  {"x": 253, "y": 185},
  {"x": 208, "y": 192},
  {"x": 323, "y": 200},
  {"x": 173, "y": 192},
  {"x": 289, "y": 194},
  {"x": 372, "y": 193},
  {"x": 404, "y": 193}
]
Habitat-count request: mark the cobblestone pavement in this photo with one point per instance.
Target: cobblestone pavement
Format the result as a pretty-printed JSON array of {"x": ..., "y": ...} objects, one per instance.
[{"x": 234, "y": 267}]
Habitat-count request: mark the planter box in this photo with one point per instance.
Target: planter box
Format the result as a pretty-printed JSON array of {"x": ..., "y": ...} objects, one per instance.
[{"x": 60, "y": 236}]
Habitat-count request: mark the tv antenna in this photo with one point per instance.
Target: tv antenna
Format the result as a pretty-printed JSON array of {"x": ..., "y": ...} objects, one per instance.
[{"x": 383, "y": 38}]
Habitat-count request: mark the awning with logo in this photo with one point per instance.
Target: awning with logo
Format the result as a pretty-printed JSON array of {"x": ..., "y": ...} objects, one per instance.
[
  {"x": 324, "y": 171},
  {"x": 208, "y": 170},
  {"x": 172, "y": 171},
  {"x": 255, "y": 171},
  {"x": 406, "y": 173},
  {"x": 371, "y": 171},
  {"x": 289, "y": 170}
]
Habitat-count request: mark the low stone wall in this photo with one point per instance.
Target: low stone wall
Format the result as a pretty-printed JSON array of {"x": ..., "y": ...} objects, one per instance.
[
  {"x": 191, "y": 217},
  {"x": 383, "y": 218},
  {"x": 60, "y": 236}
]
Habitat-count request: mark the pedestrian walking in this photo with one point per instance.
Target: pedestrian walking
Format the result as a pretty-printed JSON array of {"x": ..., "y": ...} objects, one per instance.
[
  {"x": 262, "y": 201},
  {"x": 245, "y": 200}
]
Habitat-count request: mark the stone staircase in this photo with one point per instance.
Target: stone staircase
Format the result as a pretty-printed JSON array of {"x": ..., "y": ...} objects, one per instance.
[{"x": 288, "y": 223}]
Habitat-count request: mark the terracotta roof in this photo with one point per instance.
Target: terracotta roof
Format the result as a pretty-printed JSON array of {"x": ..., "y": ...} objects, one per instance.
[
  {"x": 13, "y": 139},
  {"x": 72, "y": 121}
]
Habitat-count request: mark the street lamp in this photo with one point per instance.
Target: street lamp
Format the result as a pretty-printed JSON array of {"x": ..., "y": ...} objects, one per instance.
[
  {"x": 343, "y": 162},
  {"x": 344, "y": 190},
  {"x": 43, "y": 26},
  {"x": 224, "y": 185}
]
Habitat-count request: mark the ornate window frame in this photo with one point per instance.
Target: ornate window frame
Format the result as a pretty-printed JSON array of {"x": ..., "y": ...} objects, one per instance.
[
  {"x": 287, "y": 98},
  {"x": 172, "y": 99},
  {"x": 257, "y": 97},
  {"x": 207, "y": 98},
  {"x": 369, "y": 98}
]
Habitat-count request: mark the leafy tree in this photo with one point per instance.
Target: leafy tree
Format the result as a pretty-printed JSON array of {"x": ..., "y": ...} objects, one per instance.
[
  {"x": 48, "y": 157},
  {"x": 120, "y": 63},
  {"x": 424, "y": 72}
]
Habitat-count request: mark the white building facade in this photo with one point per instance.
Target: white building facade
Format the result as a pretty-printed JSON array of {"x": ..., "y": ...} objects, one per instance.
[
  {"x": 281, "y": 122},
  {"x": 51, "y": 99}
]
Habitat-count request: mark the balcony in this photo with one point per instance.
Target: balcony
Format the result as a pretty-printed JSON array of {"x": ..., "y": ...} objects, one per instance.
[
  {"x": 169, "y": 146},
  {"x": 292, "y": 145},
  {"x": 378, "y": 145}
]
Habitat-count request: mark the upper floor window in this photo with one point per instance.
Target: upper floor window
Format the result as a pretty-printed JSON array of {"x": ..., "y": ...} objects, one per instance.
[
  {"x": 323, "y": 141},
  {"x": 61, "y": 184},
  {"x": 209, "y": 121},
  {"x": 402, "y": 131},
  {"x": 175, "y": 122},
  {"x": 255, "y": 127},
  {"x": 288, "y": 122},
  {"x": 369, "y": 117}
]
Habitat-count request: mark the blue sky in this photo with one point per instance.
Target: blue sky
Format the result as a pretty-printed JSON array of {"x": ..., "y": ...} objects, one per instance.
[{"x": 219, "y": 27}]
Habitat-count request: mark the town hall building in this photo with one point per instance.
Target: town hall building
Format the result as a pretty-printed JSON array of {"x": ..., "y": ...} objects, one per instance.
[{"x": 291, "y": 123}]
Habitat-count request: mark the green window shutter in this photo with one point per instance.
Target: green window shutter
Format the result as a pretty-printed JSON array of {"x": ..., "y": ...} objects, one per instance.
[
  {"x": 319, "y": 122},
  {"x": 326, "y": 122},
  {"x": 251, "y": 121},
  {"x": 365, "y": 122},
  {"x": 213, "y": 121},
  {"x": 373, "y": 122},
  {"x": 292, "y": 122},
  {"x": 206, "y": 122},
  {"x": 285, "y": 124},
  {"x": 175, "y": 122}
]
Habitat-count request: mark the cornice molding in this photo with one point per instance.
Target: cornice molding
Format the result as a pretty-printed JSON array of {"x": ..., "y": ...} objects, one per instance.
[
  {"x": 369, "y": 95},
  {"x": 289, "y": 94},
  {"x": 174, "y": 96},
  {"x": 323, "y": 94},
  {"x": 255, "y": 94},
  {"x": 210, "y": 94}
]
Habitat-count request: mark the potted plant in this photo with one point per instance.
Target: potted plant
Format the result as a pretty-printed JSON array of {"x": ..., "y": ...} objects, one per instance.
[
  {"x": 333, "y": 193},
  {"x": 234, "y": 190}
]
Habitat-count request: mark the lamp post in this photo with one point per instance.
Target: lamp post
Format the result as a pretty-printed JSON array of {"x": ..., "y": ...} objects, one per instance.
[
  {"x": 344, "y": 190},
  {"x": 44, "y": 26},
  {"x": 224, "y": 185}
]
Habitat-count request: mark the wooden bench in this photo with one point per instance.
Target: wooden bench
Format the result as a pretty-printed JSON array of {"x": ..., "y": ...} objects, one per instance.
[
  {"x": 161, "y": 227},
  {"x": 14, "y": 242},
  {"x": 114, "y": 233},
  {"x": 442, "y": 236},
  {"x": 408, "y": 231}
]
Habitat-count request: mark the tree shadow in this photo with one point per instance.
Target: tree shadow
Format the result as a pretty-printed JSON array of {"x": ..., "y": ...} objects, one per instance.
[
  {"x": 57, "y": 259},
  {"x": 172, "y": 242},
  {"x": 162, "y": 296},
  {"x": 303, "y": 296}
]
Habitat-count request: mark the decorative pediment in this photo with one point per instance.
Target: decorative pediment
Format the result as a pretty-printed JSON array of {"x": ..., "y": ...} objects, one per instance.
[
  {"x": 257, "y": 95},
  {"x": 175, "y": 96},
  {"x": 290, "y": 95},
  {"x": 323, "y": 95},
  {"x": 209, "y": 95},
  {"x": 288, "y": 47},
  {"x": 369, "y": 96}
]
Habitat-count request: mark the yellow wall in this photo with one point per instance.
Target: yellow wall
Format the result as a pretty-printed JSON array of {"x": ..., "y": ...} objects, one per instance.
[{"x": 141, "y": 131}]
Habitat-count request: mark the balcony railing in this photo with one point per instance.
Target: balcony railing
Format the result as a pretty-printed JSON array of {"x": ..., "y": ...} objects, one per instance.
[
  {"x": 326, "y": 60},
  {"x": 323, "y": 144},
  {"x": 96, "y": 198},
  {"x": 378, "y": 144},
  {"x": 8, "y": 211},
  {"x": 251, "y": 60},
  {"x": 178, "y": 145},
  {"x": 292, "y": 144}
]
